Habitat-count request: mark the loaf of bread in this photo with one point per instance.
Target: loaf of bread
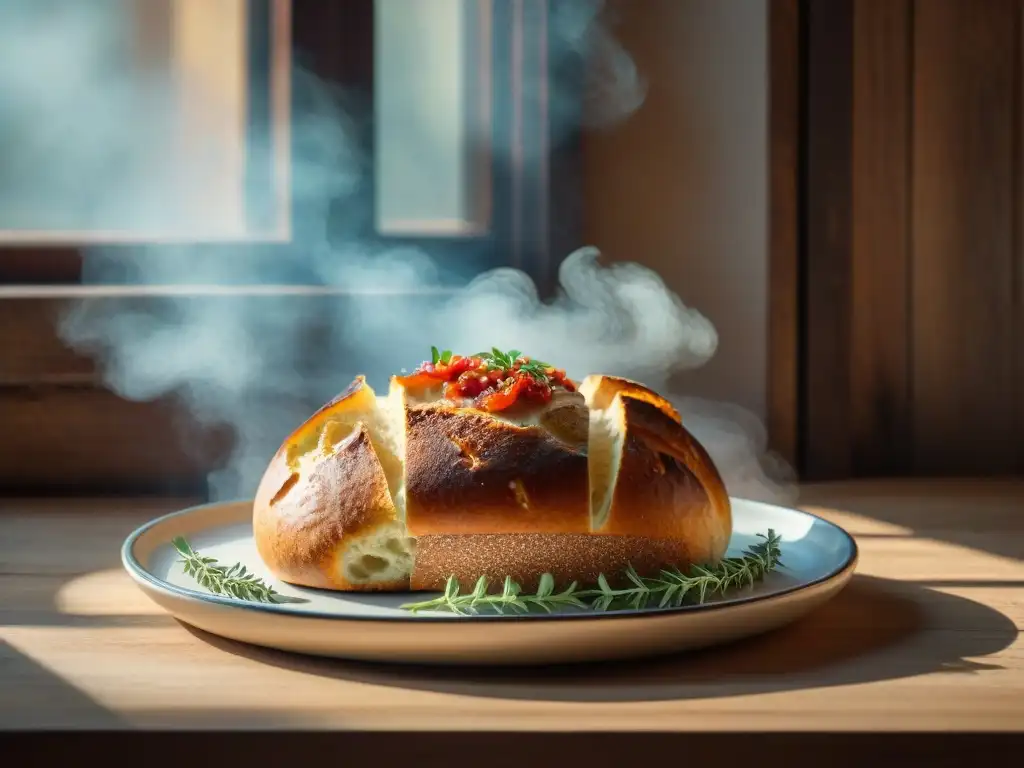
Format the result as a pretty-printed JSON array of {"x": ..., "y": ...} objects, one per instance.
[{"x": 490, "y": 465}]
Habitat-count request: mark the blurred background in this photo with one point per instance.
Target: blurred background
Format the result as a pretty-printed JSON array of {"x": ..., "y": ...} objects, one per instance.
[{"x": 215, "y": 213}]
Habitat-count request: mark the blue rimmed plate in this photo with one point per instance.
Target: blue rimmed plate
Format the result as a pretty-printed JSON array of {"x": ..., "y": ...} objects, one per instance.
[{"x": 818, "y": 557}]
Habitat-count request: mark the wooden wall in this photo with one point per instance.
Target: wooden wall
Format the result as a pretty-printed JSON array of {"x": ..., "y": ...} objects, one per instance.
[{"x": 913, "y": 262}]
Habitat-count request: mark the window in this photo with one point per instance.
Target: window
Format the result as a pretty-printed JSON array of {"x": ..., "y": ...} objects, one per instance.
[
  {"x": 143, "y": 121},
  {"x": 231, "y": 143},
  {"x": 442, "y": 133}
]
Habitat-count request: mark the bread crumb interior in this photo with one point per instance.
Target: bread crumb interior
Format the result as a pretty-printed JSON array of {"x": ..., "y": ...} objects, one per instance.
[
  {"x": 605, "y": 444},
  {"x": 387, "y": 554},
  {"x": 391, "y": 430}
]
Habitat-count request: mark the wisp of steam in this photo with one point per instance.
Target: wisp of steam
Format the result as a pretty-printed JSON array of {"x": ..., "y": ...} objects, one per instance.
[{"x": 258, "y": 360}]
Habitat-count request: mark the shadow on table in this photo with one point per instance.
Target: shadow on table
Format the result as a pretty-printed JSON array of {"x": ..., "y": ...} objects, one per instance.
[
  {"x": 875, "y": 629},
  {"x": 44, "y": 698}
]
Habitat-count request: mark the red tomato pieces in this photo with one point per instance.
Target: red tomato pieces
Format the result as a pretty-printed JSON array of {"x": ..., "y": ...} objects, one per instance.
[{"x": 491, "y": 388}]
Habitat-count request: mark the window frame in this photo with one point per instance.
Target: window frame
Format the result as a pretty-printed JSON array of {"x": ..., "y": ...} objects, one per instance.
[
  {"x": 34, "y": 281},
  {"x": 62, "y": 387},
  {"x": 335, "y": 41},
  {"x": 267, "y": 106}
]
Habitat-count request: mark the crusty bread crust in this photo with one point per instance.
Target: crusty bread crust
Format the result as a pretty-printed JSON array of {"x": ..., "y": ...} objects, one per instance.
[
  {"x": 666, "y": 486},
  {"x": 306, "y": 515},
  {"x": 599, "y": 391},
  {"x": 568, "y": 557},
  {"x": 468, "y": 472},
  {"x": 485, "y": 496}
]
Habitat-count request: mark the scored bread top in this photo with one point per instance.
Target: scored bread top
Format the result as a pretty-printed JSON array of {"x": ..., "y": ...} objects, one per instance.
[
  {"x": 341, "y": 496},
  {"x": 327, "y": 486},
  {"x": 469, "y": 472},
  {"x": 643, "y": 459},
  {"x": 600, "y": 390},
  {"x": 663, "y": 484},
  {"x": 345, "y": 498}
]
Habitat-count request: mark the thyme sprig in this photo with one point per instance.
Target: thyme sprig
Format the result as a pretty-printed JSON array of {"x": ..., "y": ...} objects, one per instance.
[
  {"x": 671, "y": 588},
  {"x": 233, "y": 581}
]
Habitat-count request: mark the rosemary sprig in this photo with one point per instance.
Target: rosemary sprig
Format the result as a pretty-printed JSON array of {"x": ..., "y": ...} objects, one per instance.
[
  {"x": 234, "y": 581},
  {"x": 670, "y": 589},
  {"x": 511, "y": 597}
]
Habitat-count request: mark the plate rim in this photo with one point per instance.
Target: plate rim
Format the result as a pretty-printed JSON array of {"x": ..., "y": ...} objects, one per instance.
[{"x": 146, "y": 578}]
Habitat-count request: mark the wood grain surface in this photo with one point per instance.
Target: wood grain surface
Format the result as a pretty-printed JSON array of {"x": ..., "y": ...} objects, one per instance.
[
  {"x": 925, "y": 637},
  {"x": 912, "y": 246},
  {"x": 966, "y": 133},
  {"x": 827, "y": 304},
  {"x": 879, "y": 341},
  {"x": 784, "y": 229}
]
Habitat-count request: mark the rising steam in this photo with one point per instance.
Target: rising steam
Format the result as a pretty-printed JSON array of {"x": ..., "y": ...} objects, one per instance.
[{"x": 85, "y": 126}]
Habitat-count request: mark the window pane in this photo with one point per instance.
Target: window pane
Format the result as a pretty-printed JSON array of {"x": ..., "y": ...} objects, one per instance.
[
  {"x": 432, "y": 83},
  {"x": 129, "y": 119}
]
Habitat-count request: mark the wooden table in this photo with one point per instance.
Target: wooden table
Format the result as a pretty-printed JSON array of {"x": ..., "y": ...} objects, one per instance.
[{"x": 925, "y": 637}]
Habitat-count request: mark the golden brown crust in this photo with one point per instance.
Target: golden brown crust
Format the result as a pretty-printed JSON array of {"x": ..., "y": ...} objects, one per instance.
[
  {"x": 524, "y": 557},
  {"x": 302, "y": 522},
  {"x": 667, "y": 485},
  {"x": 600, "y": 390},
  {"x": 352, "y": 400},
  {"x": 485, "y": 496},
  {"x": 674, "y": 439},
  {"x": 468, "y": 472}
]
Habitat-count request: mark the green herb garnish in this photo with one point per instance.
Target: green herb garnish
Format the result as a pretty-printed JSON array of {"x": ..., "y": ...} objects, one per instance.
[
  {"x": 505, "y": 361},
  {"x": 440, "y": 357},
  {"x": 233, "y": 581},
  {"x": 670, "y": 589}
]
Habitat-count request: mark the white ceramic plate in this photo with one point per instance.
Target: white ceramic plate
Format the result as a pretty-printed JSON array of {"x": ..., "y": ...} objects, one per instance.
[{"x": 819, "y": 559}]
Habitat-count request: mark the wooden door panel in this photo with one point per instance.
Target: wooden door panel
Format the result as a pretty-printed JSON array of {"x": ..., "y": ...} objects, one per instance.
[
  {"x": 965, "y": 207},
  {"x": 913, "y": 261},
  {"x": 880, "y": 280}
]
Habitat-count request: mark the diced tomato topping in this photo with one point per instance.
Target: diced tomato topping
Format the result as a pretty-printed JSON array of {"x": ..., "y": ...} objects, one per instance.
[
  {"x": 501, "y": 399},
  {"x": 418, "y": 380},
  {"x": 430, "y": 374},
  {"x": 491, "y": 389},
  {"x": 558, "y": 376},
  {"x": 458, "y": 365}
]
